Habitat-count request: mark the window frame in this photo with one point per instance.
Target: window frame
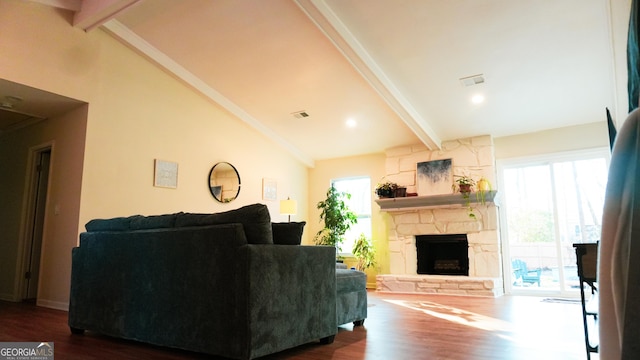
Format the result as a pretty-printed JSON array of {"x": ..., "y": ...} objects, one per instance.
[
  {"x": 368, "y": 191},
  {"x": 548, "y": 159}
]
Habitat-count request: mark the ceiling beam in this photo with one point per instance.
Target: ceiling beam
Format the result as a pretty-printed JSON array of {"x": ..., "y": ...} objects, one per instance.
[
  {"x": 72, "y": 5},
  {"x": 125, "y": 34},
  {"x": 329, "y": 23},
  {"x": 96, "y": 12}
]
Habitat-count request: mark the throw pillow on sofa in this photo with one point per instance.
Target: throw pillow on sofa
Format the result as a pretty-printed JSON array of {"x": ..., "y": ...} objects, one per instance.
[
  {"x": 255, "y": 220},
  {"x": 289, "y": 233}
]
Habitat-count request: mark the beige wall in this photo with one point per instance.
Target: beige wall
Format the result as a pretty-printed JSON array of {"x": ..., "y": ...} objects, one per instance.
[
  {"x": 65, "y": 135},
  {"x": 136, "y": 113},
  {"x": 578, "y": 137}
]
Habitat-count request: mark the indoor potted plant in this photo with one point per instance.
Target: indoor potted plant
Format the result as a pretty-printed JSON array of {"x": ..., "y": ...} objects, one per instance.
[
  {"x": 337, "y": 219},
  {"x": 386, "y": 189},
  {"x": 464, "y": 185},
  {"x": 365, "y": 253}
]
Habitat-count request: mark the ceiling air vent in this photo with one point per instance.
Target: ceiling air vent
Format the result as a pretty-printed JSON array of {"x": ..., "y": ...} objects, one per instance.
[
  {"x": 9, "y": 101},
  {"x": 300, "y": 114},
  {"x": 472, "y": 80}
]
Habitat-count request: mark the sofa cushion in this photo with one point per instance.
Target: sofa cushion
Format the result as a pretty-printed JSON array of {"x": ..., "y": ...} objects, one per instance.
[
  {"x": 153, "y": 222},
  {"x": 115, "y": 224},
  {"x": 255, "y": 220},
  {"x": 350, "y": 280},
  {"x": 289, "y": 233}
]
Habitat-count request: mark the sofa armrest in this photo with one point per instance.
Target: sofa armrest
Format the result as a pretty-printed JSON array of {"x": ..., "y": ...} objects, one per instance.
[
  {"x": 171, "y": 287},
  {"x": 290, "y": 296}
]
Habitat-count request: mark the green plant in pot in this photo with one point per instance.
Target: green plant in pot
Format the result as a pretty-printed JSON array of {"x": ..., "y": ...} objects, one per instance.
[
  {"x": 464, "y": 185},
  {"x": 386, "y": 189},
  {"x": 337, "y": 218},
  {"x": 364, "y": 251}
]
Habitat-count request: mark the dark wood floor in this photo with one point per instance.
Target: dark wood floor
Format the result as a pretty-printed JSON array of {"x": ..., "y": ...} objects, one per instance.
[{"x": 397, "y": 327}]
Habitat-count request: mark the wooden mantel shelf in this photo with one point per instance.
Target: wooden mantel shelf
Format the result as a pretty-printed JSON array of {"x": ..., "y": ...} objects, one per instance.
[{"x": 430, "y": 202}]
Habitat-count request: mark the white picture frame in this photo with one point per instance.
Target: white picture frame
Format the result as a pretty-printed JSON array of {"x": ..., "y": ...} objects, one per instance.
[
  {"x": 165, "y": 174},
  {"x": 269, "y": 189}
]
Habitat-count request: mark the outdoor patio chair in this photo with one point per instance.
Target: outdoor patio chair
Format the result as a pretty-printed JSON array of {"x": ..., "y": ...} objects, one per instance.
[{"x": 522, "y": 272}]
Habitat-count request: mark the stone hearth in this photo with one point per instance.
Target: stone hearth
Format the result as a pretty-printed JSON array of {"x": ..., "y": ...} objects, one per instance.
[{"x": 442, "y": 214}]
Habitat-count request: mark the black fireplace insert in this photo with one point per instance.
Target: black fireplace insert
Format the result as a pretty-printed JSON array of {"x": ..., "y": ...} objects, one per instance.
[{"x": 443, "y": 254}]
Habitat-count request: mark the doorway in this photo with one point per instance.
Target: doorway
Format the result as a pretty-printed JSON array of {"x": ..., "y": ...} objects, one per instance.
[
  {"x": 38, "y": 185},
  {"x": 550, "y": 203}
]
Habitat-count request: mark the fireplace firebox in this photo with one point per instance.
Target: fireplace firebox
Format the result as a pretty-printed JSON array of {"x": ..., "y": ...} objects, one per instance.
[{"x": 444, "y": 254}]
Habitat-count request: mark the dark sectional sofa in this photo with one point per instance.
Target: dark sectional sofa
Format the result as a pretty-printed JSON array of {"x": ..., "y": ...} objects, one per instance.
[{"x": 227, "y": 284}]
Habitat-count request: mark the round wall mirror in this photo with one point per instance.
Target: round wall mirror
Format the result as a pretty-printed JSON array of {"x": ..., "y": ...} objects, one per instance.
[{"x": 224, "y": 182}]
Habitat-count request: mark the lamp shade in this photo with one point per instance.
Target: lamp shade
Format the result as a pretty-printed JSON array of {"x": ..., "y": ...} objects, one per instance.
[{"x": 288, "y": 207}]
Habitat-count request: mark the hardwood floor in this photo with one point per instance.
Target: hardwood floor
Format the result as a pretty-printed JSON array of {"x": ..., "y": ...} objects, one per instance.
[{"x": 397, "y": 327}]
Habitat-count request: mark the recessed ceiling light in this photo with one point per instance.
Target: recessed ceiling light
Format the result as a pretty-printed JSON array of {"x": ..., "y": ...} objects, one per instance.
[
  {"x": 477, "y": 99},
  {"x": 351, "y": 123}
]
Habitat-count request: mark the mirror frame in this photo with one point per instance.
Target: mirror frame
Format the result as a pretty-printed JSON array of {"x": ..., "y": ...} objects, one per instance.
[{"x": 216, "y": 193}]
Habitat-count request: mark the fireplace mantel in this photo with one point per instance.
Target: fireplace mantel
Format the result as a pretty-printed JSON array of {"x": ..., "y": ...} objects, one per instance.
[{"x": 431, "y": 202}]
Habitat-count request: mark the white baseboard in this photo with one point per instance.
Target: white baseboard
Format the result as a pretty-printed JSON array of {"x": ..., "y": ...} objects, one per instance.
[
  {"x": 53, "y": 304},
  {"x": 7, "y": 297}
]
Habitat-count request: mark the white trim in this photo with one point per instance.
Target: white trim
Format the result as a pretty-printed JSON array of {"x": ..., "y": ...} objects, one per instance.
[
  {"x": 58, "y": 305},
  {"x": 27, "y": 218},
  {"x": 542, "y": 159},
  {"x": 330, "y": 24},
  {"x": 120, "y": 31},
  {"x": 7, "y": 297}
]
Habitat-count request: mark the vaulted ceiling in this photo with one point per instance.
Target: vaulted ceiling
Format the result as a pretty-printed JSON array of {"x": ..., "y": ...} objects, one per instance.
[{"x": 399, "y": 69}]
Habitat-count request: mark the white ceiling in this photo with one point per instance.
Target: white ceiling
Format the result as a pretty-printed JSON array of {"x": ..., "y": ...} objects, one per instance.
[{"x": 393, "y": 66}]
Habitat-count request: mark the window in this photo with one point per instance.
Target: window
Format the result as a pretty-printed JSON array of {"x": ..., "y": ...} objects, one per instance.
[
  {"x": 549, "y": 203},
  {"x": 360, "y": 204}
]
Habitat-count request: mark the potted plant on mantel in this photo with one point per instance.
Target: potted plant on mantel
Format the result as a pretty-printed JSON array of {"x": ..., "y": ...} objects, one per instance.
[
  {"x": 386, "y": 189},
  {"x": 464, "y": 185},
  {"x": 337, "y": 218}
]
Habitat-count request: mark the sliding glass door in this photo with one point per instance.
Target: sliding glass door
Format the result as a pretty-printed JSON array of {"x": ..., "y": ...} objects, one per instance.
[{"x": 548, "y": 204}]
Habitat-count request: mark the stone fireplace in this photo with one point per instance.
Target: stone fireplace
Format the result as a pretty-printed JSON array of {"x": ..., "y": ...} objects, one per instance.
[{"x": 447, "y": 214}]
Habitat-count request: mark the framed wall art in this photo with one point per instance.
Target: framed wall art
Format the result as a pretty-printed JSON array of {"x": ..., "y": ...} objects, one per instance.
[
  {"x": 269, "y": 189},
  {"x": 434, "y": 177},
  {"x": 165, "y": 174}
]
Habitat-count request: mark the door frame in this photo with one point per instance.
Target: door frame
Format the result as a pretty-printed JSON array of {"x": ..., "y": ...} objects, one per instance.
[
  {"x": 28, "y": 217},
  {"x": 501, "y": 165}
]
